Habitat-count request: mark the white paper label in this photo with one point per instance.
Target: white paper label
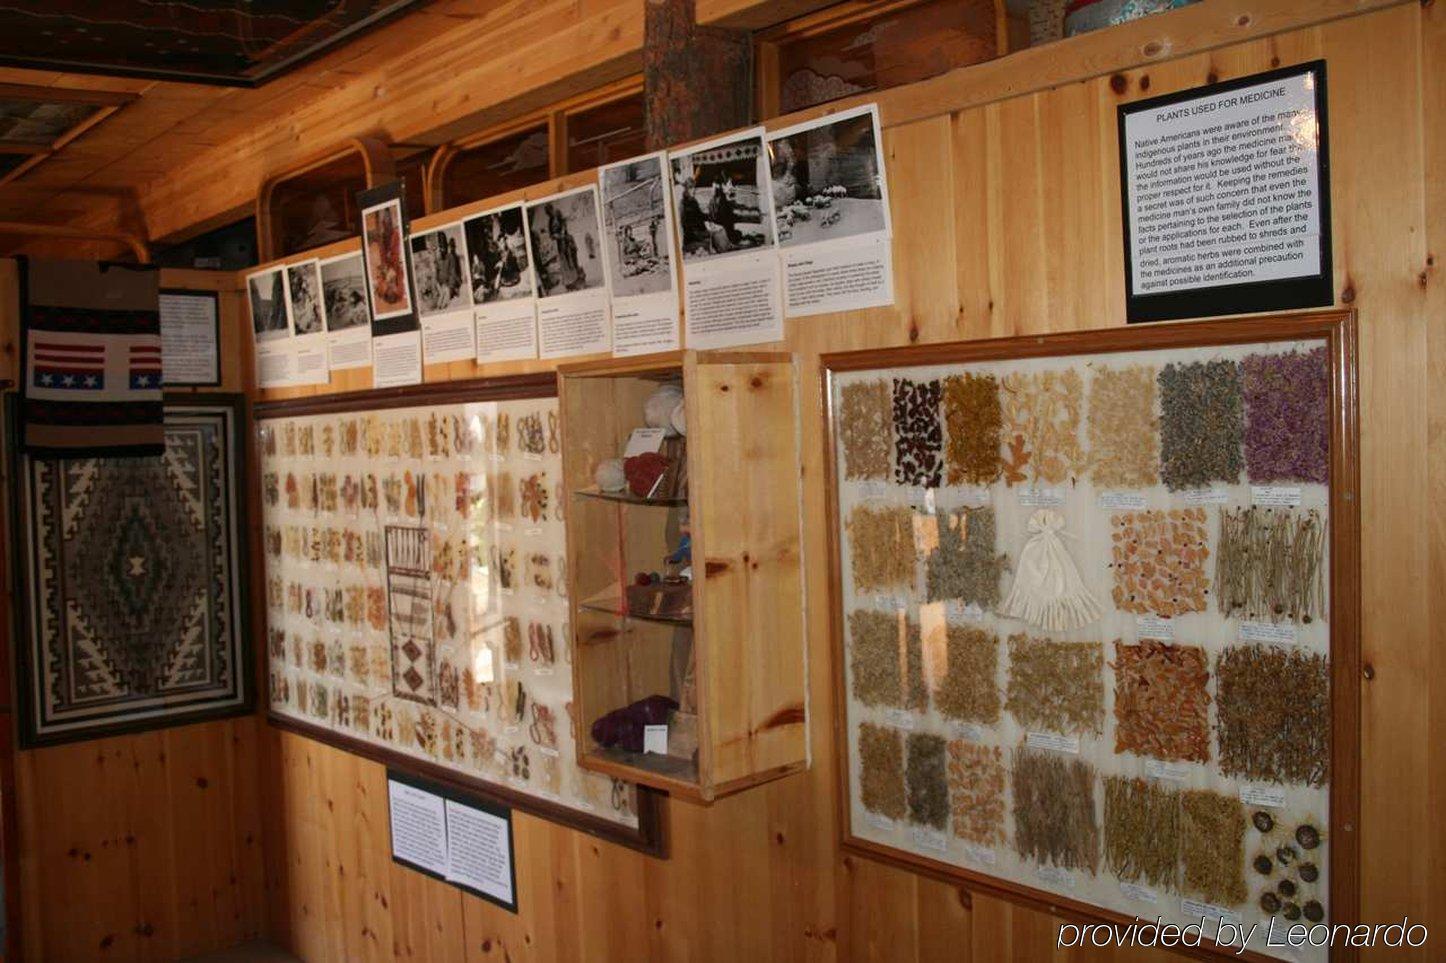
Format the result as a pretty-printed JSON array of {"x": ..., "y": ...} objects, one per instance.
[
  {"x": 1041, "y": 497},
  {"x": 1133, "y": 501},
  {"x": 979, "y": 854},
  {"x": 900, "y": 719},
  {"x": 1138, "y": 893},
  {"x": 1154, "y": 627},
  {"x": 1202, "y": 910},
  {"x": 968, "y": 730},
  {"x": 972, "y": 611},
  {"x": 1275, "y": 496},
  {"x": 479, "y": 851},
  {"x": 655, "y": 740},
  {"x": 644, "y": 440},
  {"x": 929, "y": 500},
  {"x": 1055, "y": 875},
  {"x": 883, "y": 823},
  {"x": 973, "y": 496},
  {"x": 929, "y": 839},
  {"x": 1052, "y": 741},
  {"x": 1165, "y": 770},
  {"x": 1283, "y": 633},
  {"x": 1205, "y": 496},
  {"x": 1269, "y": 797}
]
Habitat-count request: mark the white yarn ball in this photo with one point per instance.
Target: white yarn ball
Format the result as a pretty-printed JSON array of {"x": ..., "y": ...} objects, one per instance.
[
  {"x": 609, "y": 476},
  {"x": 679, "y": 418},
  {"x": 658, "y": 409}
]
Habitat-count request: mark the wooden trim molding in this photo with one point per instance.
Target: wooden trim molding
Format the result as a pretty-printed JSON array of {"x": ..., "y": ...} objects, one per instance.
[{"x": 136, "y": 245}]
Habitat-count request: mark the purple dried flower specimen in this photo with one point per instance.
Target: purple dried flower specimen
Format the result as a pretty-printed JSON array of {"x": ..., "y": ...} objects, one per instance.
[
  {"x": 1287, "y": 416},
  {"x": 1201, "y": 424},
  {"x": 918, "y": 433}
]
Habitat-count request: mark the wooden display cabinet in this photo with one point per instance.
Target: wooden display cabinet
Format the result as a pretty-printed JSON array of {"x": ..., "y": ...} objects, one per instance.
[{"x": 735, "y": 664}]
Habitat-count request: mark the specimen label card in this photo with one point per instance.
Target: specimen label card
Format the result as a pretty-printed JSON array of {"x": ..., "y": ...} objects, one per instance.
[
  {"x": 1226, "y": 197},
  {"x": 190, "y": 338},
  {"x": 831, "y": 205}
]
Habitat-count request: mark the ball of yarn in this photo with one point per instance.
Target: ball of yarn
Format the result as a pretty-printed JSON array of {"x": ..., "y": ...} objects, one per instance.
[
  {"x": 610, "y": 476},
  {"x": 679, "y": 418},
  {"x": 658, "y": 409}
]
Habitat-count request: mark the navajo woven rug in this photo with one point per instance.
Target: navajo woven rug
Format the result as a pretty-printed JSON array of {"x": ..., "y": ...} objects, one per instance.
[{"x": 134, "y": 582}]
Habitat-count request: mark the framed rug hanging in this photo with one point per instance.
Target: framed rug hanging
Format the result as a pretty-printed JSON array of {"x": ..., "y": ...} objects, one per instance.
[
  {"x": 416, "y": 593},
  {"x": 132, "y": 576},
  {"x": 1096, "y": 603}
]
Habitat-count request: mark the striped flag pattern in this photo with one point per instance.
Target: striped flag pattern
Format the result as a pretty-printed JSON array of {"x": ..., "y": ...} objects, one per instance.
[
  {"x": 145, "y": 366},
  {"x": 69, "y": 367}
]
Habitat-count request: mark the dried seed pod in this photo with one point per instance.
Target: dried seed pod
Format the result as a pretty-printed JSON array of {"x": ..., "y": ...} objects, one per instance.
[
  {"x": 1286, "y": 887},
  {"x": 1269, "y": 902},
  {"x": 1291, "y": 911},
  {"x": 1308, "y": 836},
  {"x": 1263, "y": 821},
  {"x": 1308, "y": 872},
  {"x": 1263, "y": 865},
  {"x": 1285, "y": 855},
  {"x": 918, "y": 433},
  {"x": 1314, "y": 911}
]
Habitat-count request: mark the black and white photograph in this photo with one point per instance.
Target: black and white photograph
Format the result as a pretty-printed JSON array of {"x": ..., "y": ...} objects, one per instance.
[
  {"x": 267, "y": 292},
  {"x": 828, "y": 180},
  {"x": 344, "y": 292},
  {"x": 439, "y": 264},
  {"x": 635, "y": 214},
  {"x": 720, "y": 194},
  {"x": 497, "y": 256},
  {"x": 303, "y": 293},
  {"x": 566, "y": 243}
]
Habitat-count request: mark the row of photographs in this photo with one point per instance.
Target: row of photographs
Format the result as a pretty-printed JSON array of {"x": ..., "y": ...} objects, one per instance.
[{"x": 819, "y": 183}]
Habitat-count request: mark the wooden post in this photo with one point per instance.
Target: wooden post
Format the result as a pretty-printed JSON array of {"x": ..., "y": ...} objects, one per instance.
[{"x": 697, "y": 80}]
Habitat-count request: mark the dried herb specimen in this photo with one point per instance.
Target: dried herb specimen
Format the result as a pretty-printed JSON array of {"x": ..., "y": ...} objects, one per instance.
[
  {"x": 1041, "y": 426},
  {"x": 1287, "y": 416},
  {"x": 1142, "y": 831},
  {"x": 1161, "y": 706},
  {"x": 881, "y": 770},
  {"x": 918, "y": 435},
  {"x": 1159, "y": 561},
  {"x": 1200, "y": 424},
  {"x": 1054, "y": 811},
  {"x": 1123, "y": 430},
  {"x": 886, "y": 660},
  {"x": 1056, "y": 686},
  {"x": 973, "y": 418},
  {"x": 976, "y": 792},
  {"x": 881, "y": 542},
  {"x": 968, "y": 691},
  {"x": 1212, "y": 846},
  {"x": 964, "y": 565},
  {"x": 1274, "y": 714},
  {"x": 926, "y": 780},
  {"x": 865, "y": 429},
  {"x": 1270, "y": 565}
]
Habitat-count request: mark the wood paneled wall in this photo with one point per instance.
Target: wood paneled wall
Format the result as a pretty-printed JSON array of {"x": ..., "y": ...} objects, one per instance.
[{"x": 1005, "y": 194}]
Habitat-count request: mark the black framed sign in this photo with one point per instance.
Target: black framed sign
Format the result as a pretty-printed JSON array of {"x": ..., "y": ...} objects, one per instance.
[
  {"x": 1226, "y": 197},
  {"x": 459, "y": 839}
]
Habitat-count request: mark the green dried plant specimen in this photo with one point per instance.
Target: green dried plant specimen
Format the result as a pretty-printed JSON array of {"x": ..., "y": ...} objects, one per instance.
[
  {"x": 881, "y": 770},
  {"x": 973, "y": 418},
  {"x": 1274, "y": 714},
  {"x": 1202, "y": 423},
  {"x": 1056, "y": 686},
  {"x": 1123, "y": 430},
  {"x": 976, "y": 792},
  {"x": 881, "y": 548},
  {"x": 1158, "y": 559},
  {"x": 1054, "y": 811},
  {"x": 1161, "y": 707},
  {"x": 1042, "y": 426},
  {"x": 964, "y": 564},
  {"x": 927, "y": 781},
  {"x": 1142, "y": 831},
  {"x": 865, "y": 429},
  {"x": 968, "y": 692},
  {"x": 1212, "y": 846},
  {"x": 887, "y": 671},
  {"x": 1270, "y": 565}
]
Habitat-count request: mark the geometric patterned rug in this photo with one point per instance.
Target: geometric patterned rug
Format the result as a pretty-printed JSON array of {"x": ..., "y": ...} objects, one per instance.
[{"x": 134, "y": 581}]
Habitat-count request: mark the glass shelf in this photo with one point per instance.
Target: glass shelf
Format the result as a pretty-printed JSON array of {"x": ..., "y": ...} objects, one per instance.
[
  {"x": 616, "y": 606},
  {"x": 628, "y": 498}
]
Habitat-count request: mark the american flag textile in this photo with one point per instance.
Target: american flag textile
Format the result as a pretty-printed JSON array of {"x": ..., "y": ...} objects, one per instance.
[{"x": 91, "y": 340}]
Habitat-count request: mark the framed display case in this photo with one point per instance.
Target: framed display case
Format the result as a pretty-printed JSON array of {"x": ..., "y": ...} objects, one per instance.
[
  {"x": 1096, "y": 603},
  {"x": 682, "y": 479},
  {"x": 416, "y": 593}
]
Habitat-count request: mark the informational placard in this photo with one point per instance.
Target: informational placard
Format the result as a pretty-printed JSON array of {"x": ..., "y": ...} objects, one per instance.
[
  {"x": 190, "y": 338},
  {"x": 396, "y": 329},
  {"x": 460, "y": 840},
  {"x": 1226, "y": 195},
  {"x": 271, "y": 328},
  {"x": 503, "y": 285},
  {"x": 638, "y": 244},
  {"x": 564, "y": 235}
]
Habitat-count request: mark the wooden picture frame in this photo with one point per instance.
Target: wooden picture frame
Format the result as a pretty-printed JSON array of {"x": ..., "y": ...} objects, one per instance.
[
  {"x": 1336, "y": 331},
  {"x": 648, "y": 837}
]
